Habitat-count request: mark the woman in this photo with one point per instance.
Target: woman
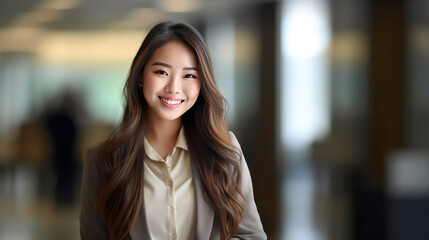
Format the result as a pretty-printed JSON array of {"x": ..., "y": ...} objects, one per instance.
[{"x": 171, "y": 170}]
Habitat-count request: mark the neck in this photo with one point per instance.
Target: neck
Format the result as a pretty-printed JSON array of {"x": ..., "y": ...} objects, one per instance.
[{"x": 162, "y": 134}]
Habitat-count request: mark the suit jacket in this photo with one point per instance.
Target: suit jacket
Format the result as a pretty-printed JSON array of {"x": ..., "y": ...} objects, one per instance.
[{"x": 93, "y": 228}]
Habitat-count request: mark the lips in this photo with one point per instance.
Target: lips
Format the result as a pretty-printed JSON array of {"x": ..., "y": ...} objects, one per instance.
[{"x": 171, "y": 102}]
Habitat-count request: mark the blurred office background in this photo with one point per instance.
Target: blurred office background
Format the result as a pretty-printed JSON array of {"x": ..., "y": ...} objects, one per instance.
[{"x": 328, "y": 98}]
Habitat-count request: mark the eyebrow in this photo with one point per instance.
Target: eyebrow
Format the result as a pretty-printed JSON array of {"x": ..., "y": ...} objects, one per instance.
[{"x": 169, "y": 66}]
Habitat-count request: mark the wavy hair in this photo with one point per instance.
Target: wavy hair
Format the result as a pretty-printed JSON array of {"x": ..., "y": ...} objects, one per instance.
[{"x": 216, "y": 158}]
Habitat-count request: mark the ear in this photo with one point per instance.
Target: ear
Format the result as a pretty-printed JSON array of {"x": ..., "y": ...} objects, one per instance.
[{"x": 140, "y": 84}]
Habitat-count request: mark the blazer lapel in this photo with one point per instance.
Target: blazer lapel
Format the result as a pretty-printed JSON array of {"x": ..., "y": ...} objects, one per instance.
[
  {"x": 140, "y": 229},
  {"x": 205, "y": 213}
]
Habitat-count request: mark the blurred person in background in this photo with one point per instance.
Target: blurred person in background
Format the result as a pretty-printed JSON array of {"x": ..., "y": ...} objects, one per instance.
[
  {"x": 171, "y": 169},
  {"x": 63, "y": 129}
]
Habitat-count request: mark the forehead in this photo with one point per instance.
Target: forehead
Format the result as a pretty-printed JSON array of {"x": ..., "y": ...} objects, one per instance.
[{"x": 174, "y": 53}]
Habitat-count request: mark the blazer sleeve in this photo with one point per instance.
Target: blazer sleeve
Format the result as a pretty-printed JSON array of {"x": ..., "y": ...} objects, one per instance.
[
  {"x": 91, "y": 224},
  {"x": 251, "y": 226}
]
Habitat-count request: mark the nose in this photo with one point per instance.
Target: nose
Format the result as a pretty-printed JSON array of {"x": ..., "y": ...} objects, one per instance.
[{"x": 174, "y": 85}]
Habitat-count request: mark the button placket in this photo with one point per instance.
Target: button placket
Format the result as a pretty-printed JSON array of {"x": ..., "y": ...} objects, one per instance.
[{"x": 170, "y": 208}]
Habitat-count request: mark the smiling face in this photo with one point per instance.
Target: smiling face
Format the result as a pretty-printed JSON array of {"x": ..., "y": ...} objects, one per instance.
[{"x": 170, "y": 81}]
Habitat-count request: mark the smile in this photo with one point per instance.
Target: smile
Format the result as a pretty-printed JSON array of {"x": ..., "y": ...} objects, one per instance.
[{"x": 171, "y": 103}]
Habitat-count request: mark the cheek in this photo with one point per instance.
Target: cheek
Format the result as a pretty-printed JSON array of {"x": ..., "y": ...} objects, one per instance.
[
  {"x": 148, "y": 82},
  {"x": 195, "y": 89},
  {"x": 148, "y": 89},
  {"x": 150, "y": 85}
]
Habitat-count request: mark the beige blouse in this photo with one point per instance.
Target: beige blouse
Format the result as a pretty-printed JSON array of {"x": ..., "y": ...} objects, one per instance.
[{"x": 169, "y": 194}]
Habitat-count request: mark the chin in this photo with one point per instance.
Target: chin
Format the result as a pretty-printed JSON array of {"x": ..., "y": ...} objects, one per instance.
[{"x": 171, "y": 117}]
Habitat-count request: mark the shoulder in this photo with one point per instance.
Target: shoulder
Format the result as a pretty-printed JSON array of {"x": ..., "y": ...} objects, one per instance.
[
  {"x": 236, "y": 144},
  {"x": 91, "y": 162},
  {"x": 91, "y": 224},
  {"x": 234, "y": 141},
  {"x": 92, "y": 154},
  {"x": 91, "y": 177}
]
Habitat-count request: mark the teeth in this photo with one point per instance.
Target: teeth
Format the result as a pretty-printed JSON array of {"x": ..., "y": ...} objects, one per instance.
[{"x": 171, "y": 102}]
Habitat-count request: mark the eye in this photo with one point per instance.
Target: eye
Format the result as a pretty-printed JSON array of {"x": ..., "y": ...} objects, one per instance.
[
  {"x": 160, "y": 72},
  {"x": 190, "y": 76}
]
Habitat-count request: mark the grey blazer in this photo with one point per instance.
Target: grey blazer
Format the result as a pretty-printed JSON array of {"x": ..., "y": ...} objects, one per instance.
[{"x": 93, "y": 228}]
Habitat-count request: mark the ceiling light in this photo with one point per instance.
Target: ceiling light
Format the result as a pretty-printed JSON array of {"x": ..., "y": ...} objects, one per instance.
[
  {"x": 139, "y": 18},
  {"x": 82, "y": 48},
  {"x": 32, "y": 19},
  {"x": 19, "y": 39},
  {"x": 179, "y": 5},
  {"x": 59, "y": 4}
]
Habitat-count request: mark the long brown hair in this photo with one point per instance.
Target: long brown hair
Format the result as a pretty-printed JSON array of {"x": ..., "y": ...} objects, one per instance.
[{"x": 216, "y": 158}]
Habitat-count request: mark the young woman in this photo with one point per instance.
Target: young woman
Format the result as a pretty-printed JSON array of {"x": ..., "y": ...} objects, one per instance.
[{"x": 171, "y": 170}]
